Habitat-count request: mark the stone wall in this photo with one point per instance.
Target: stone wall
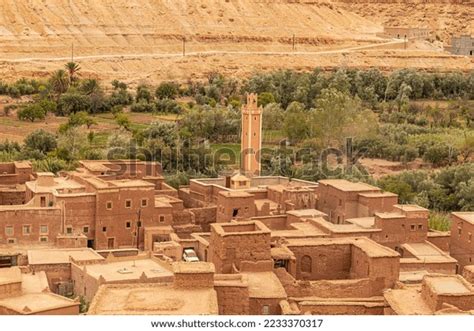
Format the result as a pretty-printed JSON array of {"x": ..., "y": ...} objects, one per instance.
[
  {"x": 331, "y": 261},
  {"x": 12, "y": 196},
  {"x": 232, "y": 295},
  {"x": 32, "y": 217}
]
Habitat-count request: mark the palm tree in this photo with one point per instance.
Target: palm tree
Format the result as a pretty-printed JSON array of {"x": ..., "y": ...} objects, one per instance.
[
  {"x": 59, "y": 83},
  {"x": 72, "y": 68}
]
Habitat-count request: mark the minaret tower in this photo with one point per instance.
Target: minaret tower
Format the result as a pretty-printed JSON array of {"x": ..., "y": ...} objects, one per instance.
[{"x": 251, "y": 144}]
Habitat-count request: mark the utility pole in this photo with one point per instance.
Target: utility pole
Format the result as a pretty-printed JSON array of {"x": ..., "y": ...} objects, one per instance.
[
  {"x": 139, "y": 225},
  {"x": 184, "y": 46}
]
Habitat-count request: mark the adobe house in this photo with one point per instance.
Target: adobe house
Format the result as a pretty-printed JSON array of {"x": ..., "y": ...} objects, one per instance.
[
  {"x": 192, "y": 293},
  {"x": 468, "y": 273},
  {"x": 462, "y": 244},
  {"x": 438, "y": 294},
  {"x": 341, "y": 200},
  {"x": 462, "y": 45},
  {"x": 29, "y": 294},
  {"x": 240, "y": 246},
  {"x": 324, "y": 272},
  {"x": 87, "y": 277},
  {"x": 56, "y": 264},
  {"x": 406, "y": 32}
]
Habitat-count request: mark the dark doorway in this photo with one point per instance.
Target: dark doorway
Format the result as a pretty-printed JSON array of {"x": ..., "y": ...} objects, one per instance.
[
  {"x": 111, "y": 243},
  {"x": 90, "y": 243},
  {"x": 235, "y": 212}
]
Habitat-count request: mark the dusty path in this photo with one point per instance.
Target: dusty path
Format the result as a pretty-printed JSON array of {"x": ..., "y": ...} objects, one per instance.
[{"x": 202, "y": 53}]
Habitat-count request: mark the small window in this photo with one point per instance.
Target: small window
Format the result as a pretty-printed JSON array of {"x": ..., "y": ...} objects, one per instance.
[
  {"x": 469, "y": 237},
  {"x": 104, "y": 229},
  {"x": 420, "y": 226},
  {"x": 44, "y": 239},
  {"x": 128, "y": 225},
  {"x": 144, "y": 202},
  {"x": 413, "y": 227},
  {"x": 128, "y": 203},
  {"x": 403, "y": 225},
  {"x": 459, "y": 231},
  {"x": 109, "y": 205},
  {"x": 9, "y": 230},
  {"x": 266, "y": 310},
  {"x": 43, "y": 229},
  {"x": 162, "y": 219},
  {"x": 11, "y": 241},
  {"x": 85, "y": 229},
  {"x": 26, "y": 230},
  {"x": 69, "y": 230},
  {"x": 340, "y": 202}
]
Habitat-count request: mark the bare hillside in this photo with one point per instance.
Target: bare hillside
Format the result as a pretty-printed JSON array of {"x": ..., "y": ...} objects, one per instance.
[
  {"x": 49, "y": 27},
  {"x": 143, "y": 39},
  {"x": 444, "y": 17}
]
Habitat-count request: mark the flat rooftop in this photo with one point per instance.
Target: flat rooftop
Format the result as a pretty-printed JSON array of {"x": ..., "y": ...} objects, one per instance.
[
  {"x": 410, "y": 208},
  {"x": 345, "y": 185},
  {"x": 447, "y": 285},
  {"x": 407, "y": 301},
  {"x": 10, "y": 275},
  {"x": 62, "y": 256},
  {"x": 153, "y": 299},
  {"x": 347, "y": 228},
  {"x": 370, "y": 247},
  {"x": 35, "y": 296},
  {"x": 306, "y": 213},
  {"x": 124, "y": 183},
  {"x": 129, "y": 270},
  {"x": 467, "y": 216},
  {"x": 378, "y": 194},
  {"x": 236, "y": 194},
  {"x": 233, "y": 228},
  {"x": 193, "y": 268},
  {"x": 32, "y": 303},
  {"x": 59, "y": 183},
  {"x": 264, "y": 285},
  {"x": 428, "y": 252},
  {"x": 363, "y": 222}
]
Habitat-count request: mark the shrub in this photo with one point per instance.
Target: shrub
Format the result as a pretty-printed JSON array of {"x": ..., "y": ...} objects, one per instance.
[
  {"x": 31, "y": 113},
  {"x": 143, "y": 107}
]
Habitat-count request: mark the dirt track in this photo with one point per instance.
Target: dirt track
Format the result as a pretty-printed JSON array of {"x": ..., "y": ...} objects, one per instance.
[{"x": 142, "y": 40}]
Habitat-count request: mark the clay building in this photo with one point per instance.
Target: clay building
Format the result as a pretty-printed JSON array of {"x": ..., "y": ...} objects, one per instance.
[
  {"x": 406, "y": 32},
  {"x": 191, "y": 293},
  {"x": 462, "y": 45},
  {"x": 56, "y": 264},
  {"x": 341, "y": 199},
  {"x": 322, "y": 275},
  {"x": 13, "y": 177},
  {"x": 468, "y": 273},
  {"x": 115, "y": 234},
  {"x": 109, "y": 207},
  {"x": 462, "y": 243},
  {"x": 259, "y": 196},
  {"x": 438, "y": 294},
  {"x": 23, "y": 293},
  {"x": 240, "y": 246},
  {"x": 88, "y": 276}
]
